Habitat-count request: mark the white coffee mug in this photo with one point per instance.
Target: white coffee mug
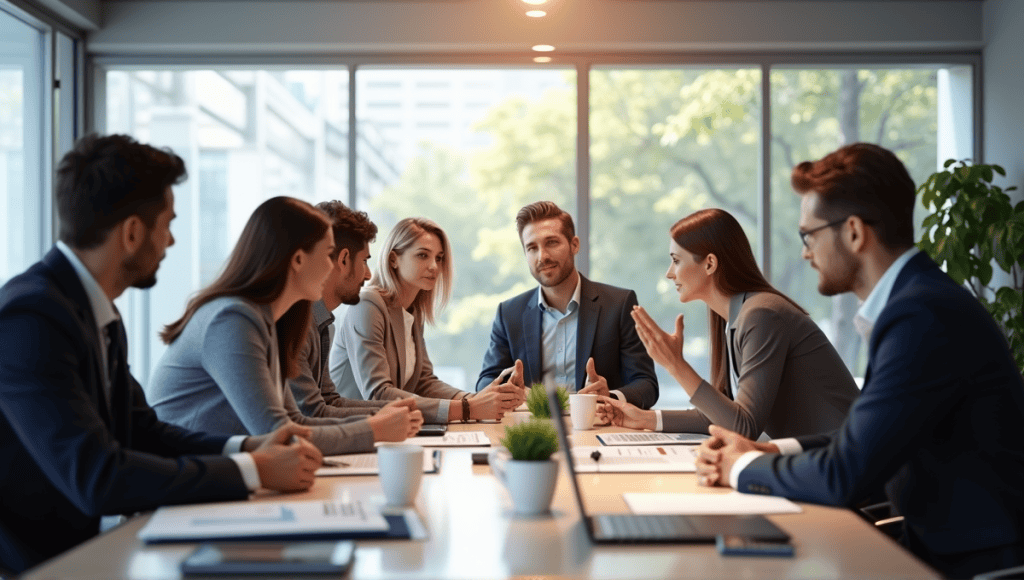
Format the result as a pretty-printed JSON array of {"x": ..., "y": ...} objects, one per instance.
[
  {"x": 582, "y": 409},
  {"x": 531, "y": 484},
  {"x": 401, "y": 470}
]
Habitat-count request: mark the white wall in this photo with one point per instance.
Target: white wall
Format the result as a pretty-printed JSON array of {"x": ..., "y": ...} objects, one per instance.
[
  {"x": 1004, "y": 88},
  {"x": 393, "y": 26}
]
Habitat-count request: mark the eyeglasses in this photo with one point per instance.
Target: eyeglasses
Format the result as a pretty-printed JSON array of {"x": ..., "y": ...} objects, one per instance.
[{"x": 804, "y": 234}]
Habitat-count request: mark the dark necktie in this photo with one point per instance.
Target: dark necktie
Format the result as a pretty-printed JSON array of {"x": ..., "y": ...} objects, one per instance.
[{"x": 116, "y": 352}]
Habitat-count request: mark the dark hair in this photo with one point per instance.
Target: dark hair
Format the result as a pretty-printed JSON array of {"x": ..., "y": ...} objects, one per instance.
[
  {"x": 543, "y": 210},
  {"x": 352, "y": 229},
  {"x": 867, "y": 181},
  {"x": 105, "y": 180},
  {"x": 257, "y": 270},
  {"x": 716, "y": 231}
]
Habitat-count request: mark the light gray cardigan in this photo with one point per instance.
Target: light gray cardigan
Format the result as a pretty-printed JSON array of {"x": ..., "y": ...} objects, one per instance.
[
  {"x": 221, "y": 375},
  {"x": 368, "y": 357},
  {"x": 791, "y": 379}
]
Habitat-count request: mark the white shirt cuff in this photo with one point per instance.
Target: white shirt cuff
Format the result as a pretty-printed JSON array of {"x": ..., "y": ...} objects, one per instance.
[
  {"x": 247, "y": 465},
  {"x": 740, "y": 465},
  {"x": 234, "y": 445},
  {"x": 658, "y": 425},
  {"x": 617, "y": 394},
  {"x": 788, "y": 446}
]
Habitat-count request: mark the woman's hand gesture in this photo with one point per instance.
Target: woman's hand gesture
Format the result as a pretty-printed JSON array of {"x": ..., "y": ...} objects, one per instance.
[{"x": 664, "y": 348}]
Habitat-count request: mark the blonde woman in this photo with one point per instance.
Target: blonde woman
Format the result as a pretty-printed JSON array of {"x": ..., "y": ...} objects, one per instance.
[{"x": 379, "y": 352}]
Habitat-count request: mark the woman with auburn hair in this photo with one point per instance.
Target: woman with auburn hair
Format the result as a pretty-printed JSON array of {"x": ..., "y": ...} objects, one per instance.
[
  {"x": 231, "y": 353},
  {"x": 772, "y": 368},
  {"x": 379, "y": 352}
]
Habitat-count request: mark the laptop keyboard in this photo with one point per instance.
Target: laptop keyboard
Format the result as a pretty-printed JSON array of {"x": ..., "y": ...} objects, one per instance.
[{"x": 641, "y": 527}]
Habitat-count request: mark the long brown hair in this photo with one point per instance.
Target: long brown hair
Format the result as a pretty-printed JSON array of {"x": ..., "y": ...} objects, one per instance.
[
  {"x": 257, "y": 270},
  {"x": 715, "y": 231}
]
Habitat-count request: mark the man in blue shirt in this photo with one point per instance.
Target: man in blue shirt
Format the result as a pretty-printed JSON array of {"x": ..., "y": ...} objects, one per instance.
[
  {"x": 939, "y": 424},
  {"x": 570, "y": 331}
]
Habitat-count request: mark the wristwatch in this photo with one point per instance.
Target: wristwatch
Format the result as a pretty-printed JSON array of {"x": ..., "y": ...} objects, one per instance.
[{"x": 465, "y": 408}]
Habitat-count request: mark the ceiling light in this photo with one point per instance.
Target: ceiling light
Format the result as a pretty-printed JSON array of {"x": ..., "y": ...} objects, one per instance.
[
  {"x": 536, "y": 13},
  {"x": 542, "y": 59},
  {"x": 535, "y": 2},
  {"x": 543, "y": 48}
]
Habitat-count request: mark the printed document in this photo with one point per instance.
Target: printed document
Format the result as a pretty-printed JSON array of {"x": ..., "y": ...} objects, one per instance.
[
  {"x": 635, "y": 459},
  {"x": 651, "y": 438},
  {"x": 247, "y": 519},
  {"x": 366, "y": 464}
]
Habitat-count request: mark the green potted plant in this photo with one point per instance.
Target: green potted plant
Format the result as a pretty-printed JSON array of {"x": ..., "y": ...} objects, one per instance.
[
  {"x": 973, "y": 224},
  {"x": 524, "y": 465},
  {"x": 537, "y": 400}
]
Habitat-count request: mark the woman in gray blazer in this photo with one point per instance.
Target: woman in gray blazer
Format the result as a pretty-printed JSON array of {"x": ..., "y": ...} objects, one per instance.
[
  {"x": 230, "y": 355},
  {"x": 772, "y": 368},
  {"x": 379, "y": 352}
]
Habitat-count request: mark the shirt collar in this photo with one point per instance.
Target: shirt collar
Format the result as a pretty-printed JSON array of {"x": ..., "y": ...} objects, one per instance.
[
  {"x": 321, "y": 315},
  {"x": 735, "y": 304},
  {"x": 575, "y": 296},
  {"x": 102, "y": 308},
  {"x": 873, "y": 305}
]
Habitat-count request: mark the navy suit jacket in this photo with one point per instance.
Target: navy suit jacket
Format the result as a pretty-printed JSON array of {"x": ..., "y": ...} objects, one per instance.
[
  {"x": 939, "y": 424},
  {"x": 605, "y": 331},
  {"x": 67, "y": 455}
]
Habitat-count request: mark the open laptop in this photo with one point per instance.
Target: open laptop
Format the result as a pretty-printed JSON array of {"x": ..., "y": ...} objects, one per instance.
[{"x": 658, "y": 529}]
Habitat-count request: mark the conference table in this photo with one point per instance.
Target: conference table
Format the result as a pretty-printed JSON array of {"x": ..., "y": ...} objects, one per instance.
[{"x": 473, "y": 533}]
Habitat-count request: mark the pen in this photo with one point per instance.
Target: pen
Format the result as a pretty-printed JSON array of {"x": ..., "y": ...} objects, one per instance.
[
  {"x": 330, "y": 463},
  {"x": 595, "y": 455}
]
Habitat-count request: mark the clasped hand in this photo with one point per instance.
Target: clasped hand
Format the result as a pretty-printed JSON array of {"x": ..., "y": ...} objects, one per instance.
[
  {"x": 498, "y": 398},
  {"x": 717, "y": 455}
]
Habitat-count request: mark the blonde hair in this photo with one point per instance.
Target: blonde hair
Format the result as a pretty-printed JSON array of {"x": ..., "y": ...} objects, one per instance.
[{"x": 401, "y": 238}]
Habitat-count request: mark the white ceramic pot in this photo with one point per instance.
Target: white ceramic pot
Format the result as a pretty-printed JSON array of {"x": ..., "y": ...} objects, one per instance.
[{"x": 531, "y": 484}]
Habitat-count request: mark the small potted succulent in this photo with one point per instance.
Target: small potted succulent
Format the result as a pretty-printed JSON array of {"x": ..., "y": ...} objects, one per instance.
[
  {"x": 537, "y": 400},
  {"x": 524, "y": 465}
]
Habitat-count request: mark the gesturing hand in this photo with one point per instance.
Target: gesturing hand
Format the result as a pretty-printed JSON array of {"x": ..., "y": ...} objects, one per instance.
[
  {"x": 663, "y": 348},
  {"x": 596, "y": 384},
  {"x": 285, "y": 459},
  {"x": 623, "y": 414}
]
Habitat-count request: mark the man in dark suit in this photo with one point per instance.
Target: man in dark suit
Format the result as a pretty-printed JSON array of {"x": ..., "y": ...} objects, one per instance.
[
  {"x": 569, "y": 331},
  {"x": 939, "y": 424},
  {"x": 77, "y": 439}
]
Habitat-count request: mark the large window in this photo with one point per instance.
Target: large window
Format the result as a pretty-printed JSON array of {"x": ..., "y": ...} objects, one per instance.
[
  {"x": 468, "y": 146},
  {"x": 21, "y": 144}
]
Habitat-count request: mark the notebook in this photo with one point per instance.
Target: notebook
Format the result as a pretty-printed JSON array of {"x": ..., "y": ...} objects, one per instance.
[{"x": 655, "y": 528}]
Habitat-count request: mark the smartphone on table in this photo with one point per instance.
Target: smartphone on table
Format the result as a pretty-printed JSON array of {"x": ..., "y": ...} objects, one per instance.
[
  {"x": 270, "y": 558},
  {"x": 729, "y": 545}
]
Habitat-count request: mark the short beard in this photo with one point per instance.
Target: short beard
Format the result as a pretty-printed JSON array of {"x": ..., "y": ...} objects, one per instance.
[
  {"x": 350, "y": 300},
  {"x": 845, "y": 269},
  {"x": 133, "y": 267}
]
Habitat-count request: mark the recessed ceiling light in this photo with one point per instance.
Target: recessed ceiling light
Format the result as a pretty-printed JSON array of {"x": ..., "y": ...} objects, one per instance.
[
  {"x": 542, "y": 59},
  {"x": 543, "y": 48},
  {"x": 535, "y": 2},
  {"x": 536, "y": 13}
]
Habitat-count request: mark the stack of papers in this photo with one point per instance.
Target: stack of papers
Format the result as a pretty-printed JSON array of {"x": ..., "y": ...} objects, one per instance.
[
  {"x": 734, "y": 503},
  {"x": 453, "y": 439},
  {"x": 265, "y": 521}
]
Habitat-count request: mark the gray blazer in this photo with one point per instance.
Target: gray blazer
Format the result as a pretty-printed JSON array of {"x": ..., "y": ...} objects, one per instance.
[
  {"x": 368, "y": 357},
  {"x": 313, "y": 389},
  {"x": 791, "y": 379},
  {"x": 222, "y": 376}
]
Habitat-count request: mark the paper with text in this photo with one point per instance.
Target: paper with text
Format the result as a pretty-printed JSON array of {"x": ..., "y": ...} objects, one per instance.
[
  {"x": 651, "y": 438},
  {"x": 635, "y": 459},
  {"x": 366, "y": 464}
]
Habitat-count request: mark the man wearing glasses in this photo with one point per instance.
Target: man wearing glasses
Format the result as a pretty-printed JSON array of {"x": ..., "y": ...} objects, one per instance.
[{"x": 939, "y": 423}]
